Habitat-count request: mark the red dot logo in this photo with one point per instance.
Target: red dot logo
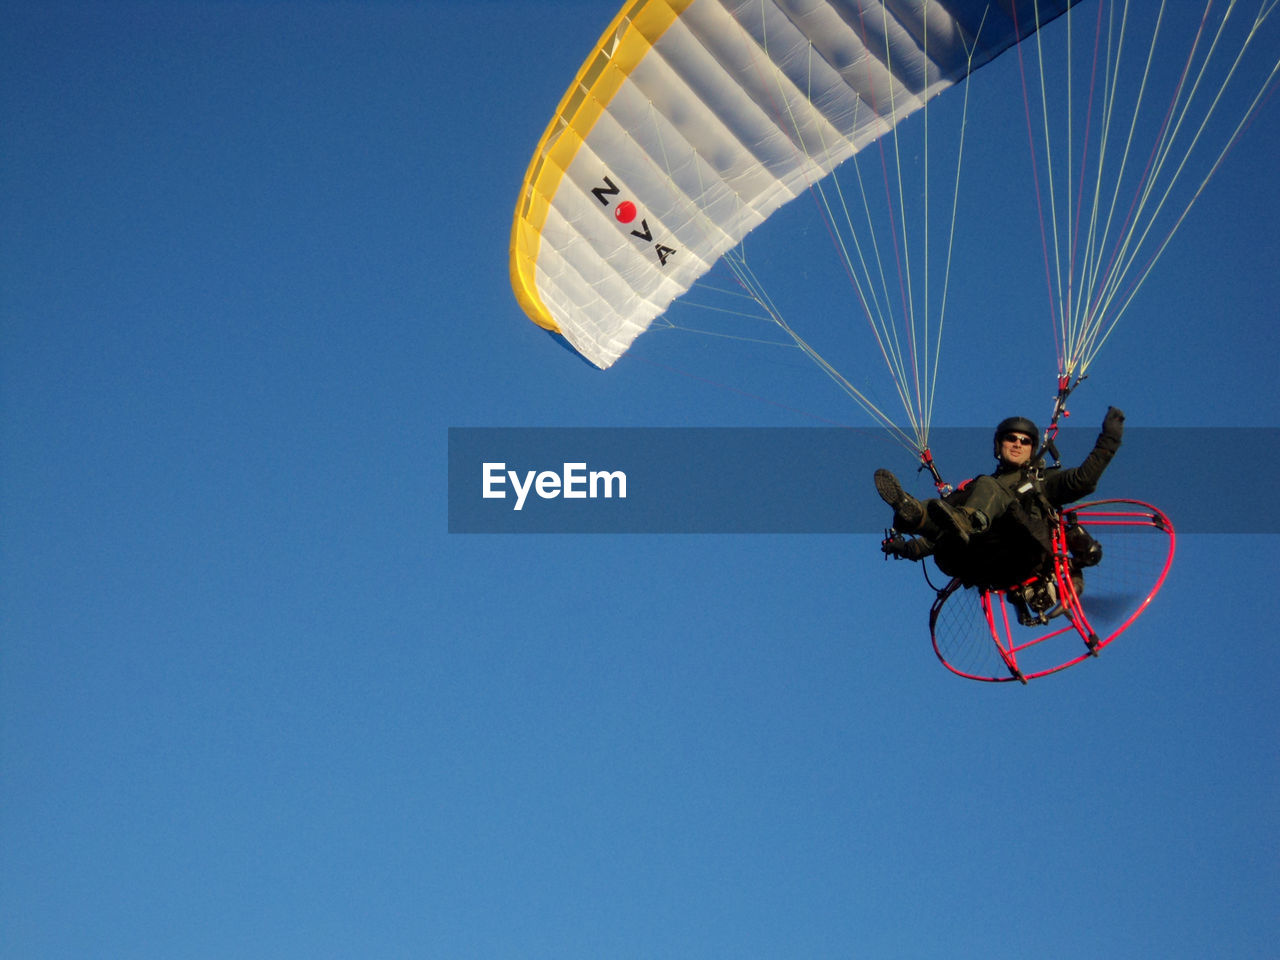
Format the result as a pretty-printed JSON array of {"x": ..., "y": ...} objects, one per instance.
[{"x": 626, "y": 211}]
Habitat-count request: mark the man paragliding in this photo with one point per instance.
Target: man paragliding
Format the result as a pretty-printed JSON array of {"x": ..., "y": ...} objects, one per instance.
[
  {"x": 691, "y": 124},
  {"x": 996, "y": 529}
]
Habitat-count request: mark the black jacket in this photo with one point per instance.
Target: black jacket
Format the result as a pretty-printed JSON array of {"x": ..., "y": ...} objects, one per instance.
[{"x": 1021, "y": 504}]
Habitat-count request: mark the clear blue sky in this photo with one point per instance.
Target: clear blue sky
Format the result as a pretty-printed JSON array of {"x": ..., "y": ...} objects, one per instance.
[{"x": 256, "y": 701}]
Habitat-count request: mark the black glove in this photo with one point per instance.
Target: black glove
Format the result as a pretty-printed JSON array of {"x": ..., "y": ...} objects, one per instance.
[
  {"x": 894, "y": 546},
  {"x": 907, "y": 548},
  {"x": 1113, "y": 424}
]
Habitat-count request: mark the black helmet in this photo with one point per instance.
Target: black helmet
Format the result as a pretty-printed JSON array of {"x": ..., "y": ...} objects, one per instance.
[{"x": 1016, "y": 425}]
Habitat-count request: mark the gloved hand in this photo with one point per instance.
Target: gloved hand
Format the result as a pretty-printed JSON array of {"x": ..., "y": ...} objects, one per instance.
[
  {"x": 907, "y": 548},
  {"x": 1113, "y": 424},
  {"x": 894, "y": 546}
]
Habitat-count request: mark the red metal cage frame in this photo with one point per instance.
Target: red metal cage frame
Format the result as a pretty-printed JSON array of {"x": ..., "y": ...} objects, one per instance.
[{"x": 1011, "y": 640}]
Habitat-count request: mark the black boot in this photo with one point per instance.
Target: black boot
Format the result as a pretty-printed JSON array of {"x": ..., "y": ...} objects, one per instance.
[
  {"x": 907, "y": 511},
  {"x": 960, "y": 522}
]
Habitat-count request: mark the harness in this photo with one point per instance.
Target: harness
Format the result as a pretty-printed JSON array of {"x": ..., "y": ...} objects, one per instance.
[{"x": 1030, "y": 491}]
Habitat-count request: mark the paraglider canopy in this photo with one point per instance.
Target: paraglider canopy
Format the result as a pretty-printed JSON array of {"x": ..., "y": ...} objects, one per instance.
[{"x": 694, "y": 120}]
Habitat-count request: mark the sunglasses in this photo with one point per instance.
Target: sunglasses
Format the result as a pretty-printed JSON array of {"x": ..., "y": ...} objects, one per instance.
[{"x": 1017, "y": 439}]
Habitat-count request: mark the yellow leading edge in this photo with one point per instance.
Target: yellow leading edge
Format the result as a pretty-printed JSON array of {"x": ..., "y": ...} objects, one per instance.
[{"x": 627, "y": 39}]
